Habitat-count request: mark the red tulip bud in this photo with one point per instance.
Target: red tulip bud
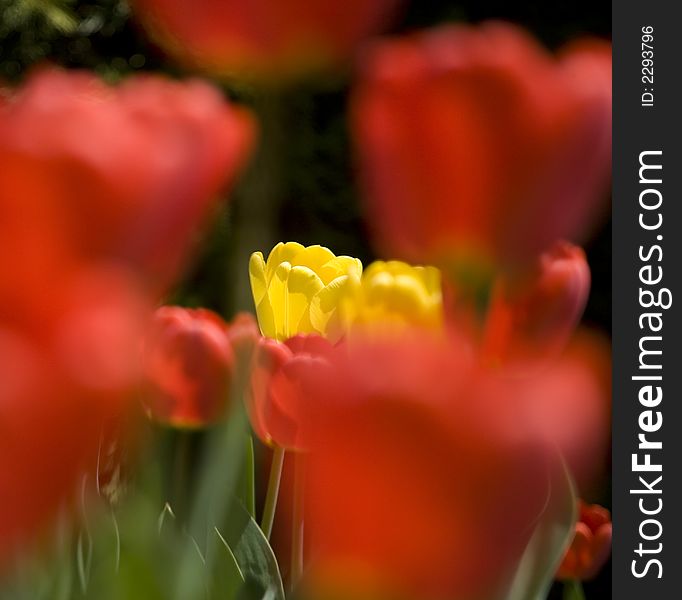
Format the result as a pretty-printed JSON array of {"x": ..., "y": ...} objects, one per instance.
[
  {"x": 534, "y": 317},
  {"x": 189, "y": 366},
  {"x": 591, "y": 544}
]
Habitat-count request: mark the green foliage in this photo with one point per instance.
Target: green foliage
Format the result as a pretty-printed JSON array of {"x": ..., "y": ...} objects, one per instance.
[
  {"x": 573, "y": 590},
  {"x": 143, "y": 550},
  {"x": 93, "y": 34}
]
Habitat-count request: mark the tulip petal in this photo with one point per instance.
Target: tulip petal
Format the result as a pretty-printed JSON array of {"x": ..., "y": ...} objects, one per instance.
[
  {"x": 279, "y": 254},
  {"x": 432, "y": 281},
  {"x": 324, "y": 304},
  {"x": 339, "y": 265},
  {"x": 391, "y": 295},
  {"x": 259, "y": 285},
  {"x": 261, "y": 296},
  {"x": 277, "y": 294},
  {"x": 313, "y": 257},
  {"x": 286, "y": 283},
  {"x": 266, "y": 318},
  {"x": 268, "y": 359},
  {"x": 303, "y": 284}
]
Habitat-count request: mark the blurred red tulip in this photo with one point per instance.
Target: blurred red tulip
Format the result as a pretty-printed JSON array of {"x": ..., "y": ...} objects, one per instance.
[
  {"x": 262, "y": 39},
  {"x": 570, "y": 402},
  {"x": 190, "y": 364},
  {"x": 477, "y": 148},
  {"x": 591, "y": 544},
  {"x": 60, "y": 384},
  {"x": 421, "y": 476},
  {"x": 101, "y": 191},
  {"x": 530, "y": 318},
  {"x": 124, "y": 172},
  {"x": 278, "y": 403}
]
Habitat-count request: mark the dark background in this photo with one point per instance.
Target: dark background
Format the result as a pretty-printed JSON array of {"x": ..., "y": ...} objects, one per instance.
[{"x": 311, "y": 189}]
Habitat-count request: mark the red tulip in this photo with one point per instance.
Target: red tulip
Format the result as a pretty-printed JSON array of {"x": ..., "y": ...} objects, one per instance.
[
  {"x": 422, "y": 478},
  {"x": 100, "y": 188},
  {"x": 570, "y": 402},
  {"x": 477, "y": 148},
  {"x": 591, "y": 544},
  {"x": 125, "y": 173},
  {"x": 278, "y": 402},
  {"x": 190, "y": 364},
  {"x": 531, "y": 318},
  {"x": 260, "y": 38},
  {"x": 60, "y": 383}
]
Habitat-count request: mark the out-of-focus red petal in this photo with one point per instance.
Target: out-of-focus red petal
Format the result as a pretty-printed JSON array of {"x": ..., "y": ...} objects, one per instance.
[
  {"x": 261, "y": 40},
  {"x": 420, "y": 474},
  {"x": 477, "y": 148},
  {"x": 570, "y": 401},
  {"x": 171, "y": 149}
]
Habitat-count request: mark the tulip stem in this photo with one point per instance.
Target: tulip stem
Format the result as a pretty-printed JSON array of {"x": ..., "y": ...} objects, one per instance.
[
  {"x": 273, "y": 491},
  {"x": 297, "y": 531},
  {"x": 573, "y": 590}
]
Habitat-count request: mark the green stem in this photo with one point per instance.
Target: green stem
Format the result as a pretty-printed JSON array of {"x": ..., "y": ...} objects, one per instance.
[
  {"x": 249, "y": 478},
  {"x": 273, "y": 492},
  {"x": 573, "y": 590},
  {"x": 297, "y": 531}
]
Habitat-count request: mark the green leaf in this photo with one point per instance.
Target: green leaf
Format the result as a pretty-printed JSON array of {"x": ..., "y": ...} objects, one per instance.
[
  {"x": 227, "y": 578},
  {"x": 553, "y": 534},
  {"x": 215, "y": 488},
  {"x": 54, "y": 11},
  {"x": 248, "y": 480},
  {"x": 573, "y": 590},
  {"x": 166, "y": 514},
  {"x": 252, "y": 552},
  {"x": 84, "y": 544},
  {"x": 253, "y": 590},
  {"x": 84, "y": 559}
]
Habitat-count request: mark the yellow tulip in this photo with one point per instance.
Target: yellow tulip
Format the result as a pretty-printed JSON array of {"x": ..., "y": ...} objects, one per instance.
[
  {"x": 391, "y": 296},
  {"x": 297, "y": 289}
]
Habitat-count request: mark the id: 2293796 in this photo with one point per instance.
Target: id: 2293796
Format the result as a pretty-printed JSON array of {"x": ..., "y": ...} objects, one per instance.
[{"x": 648, "y": 65}]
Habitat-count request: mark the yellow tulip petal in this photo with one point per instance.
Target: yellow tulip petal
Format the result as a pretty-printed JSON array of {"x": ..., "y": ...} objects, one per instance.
[
  {"x": 282, "y": 253},
  {"x": 291, "y": 280},
  {"x": 325, "y": 303},
  {"x": 259, "y": 286},
  {"x": 303, "y": 284},
  {"x": 266, "y": 318},
  {"x": 338, "y": 266},
  {"x": 392, "y": 295},
  {"x": 279, "y": 301},
  {"x": 378, "y": 287},
  {"x": 378, "y": 266},
  {"x": 432, "y": 281},
  {"x": 398, "y": 267},
  {"x": 304, "y": 325},
  {"x": 350, "y": 302},
  {"x": 313, "y": 257},
  {"x": 410, "y": 295}
]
